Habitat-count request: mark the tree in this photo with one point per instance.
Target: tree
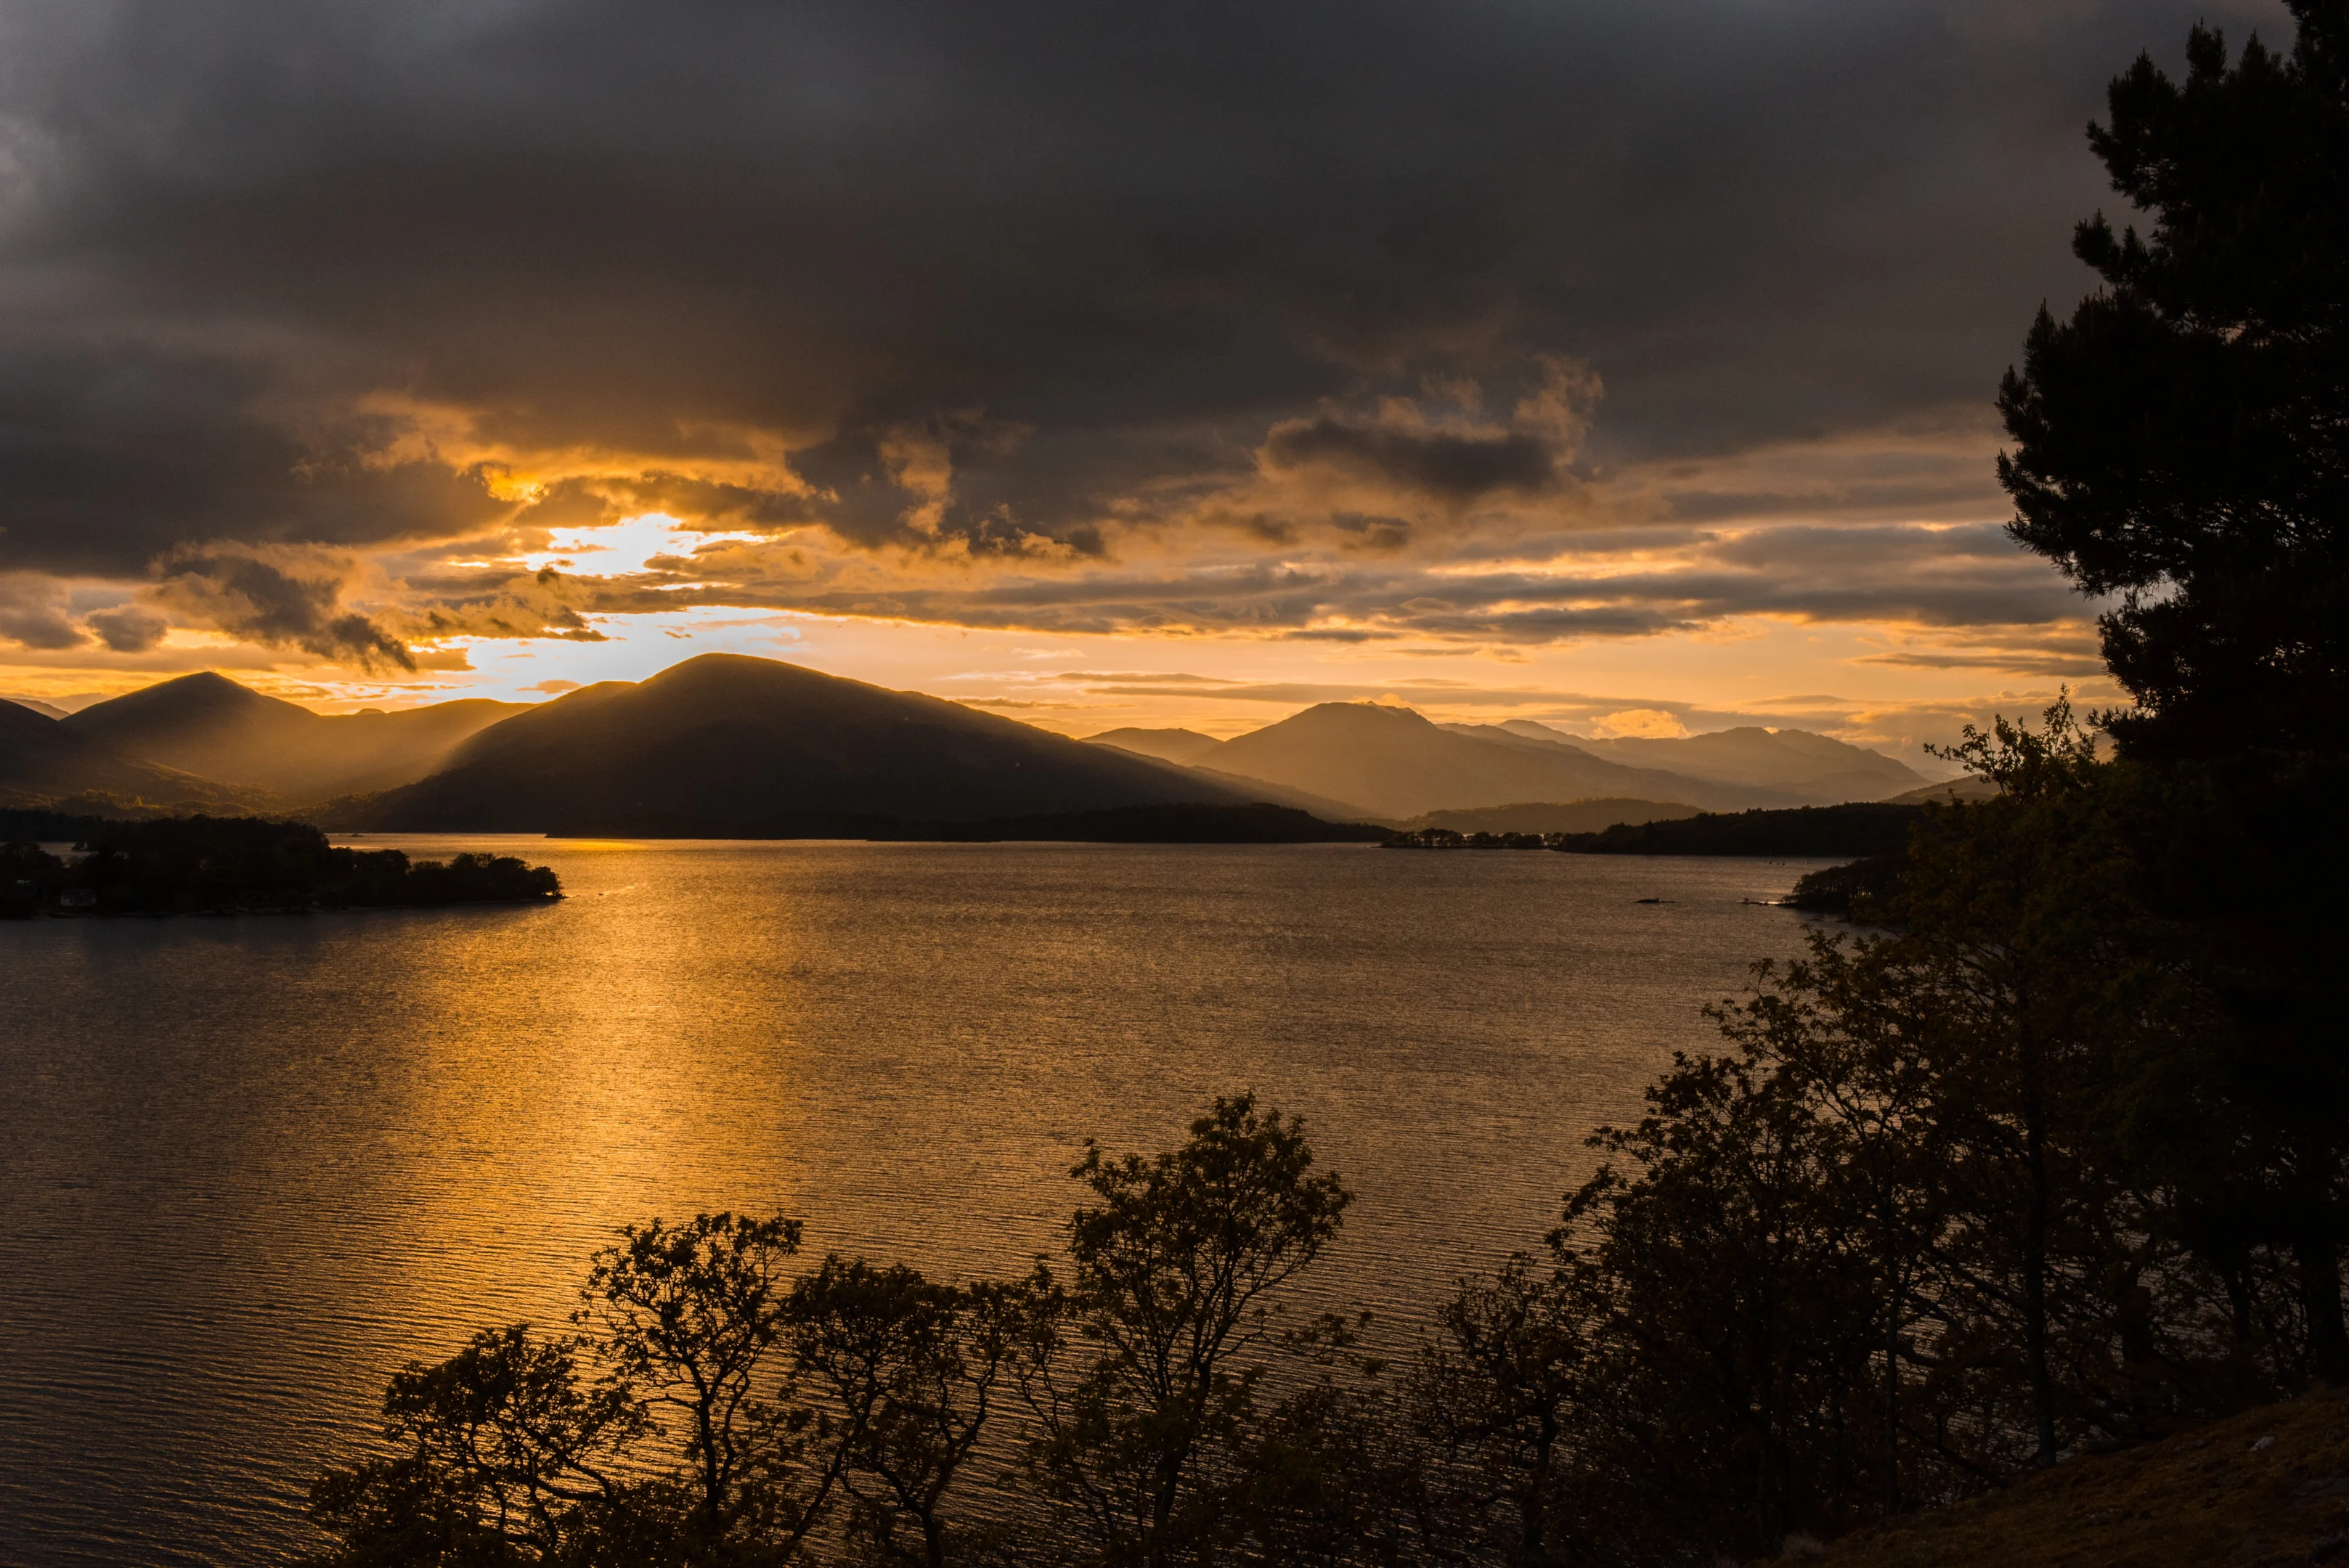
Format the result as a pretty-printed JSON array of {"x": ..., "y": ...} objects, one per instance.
[
  {"x": 1737, "y": 1312},
  {"x": 690, "y": 1314},
  {"x": 2017, "y": 905},
  {"x": 1141, "y": 1375},
  {"x": 916, "y": 1370},
  {"x": 2182, "y": 440},
  {"x": 1861, "y": 1034}
]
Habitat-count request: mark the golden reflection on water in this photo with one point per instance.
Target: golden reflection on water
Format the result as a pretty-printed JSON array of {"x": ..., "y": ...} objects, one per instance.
[{"x": 257, "y": 1165}]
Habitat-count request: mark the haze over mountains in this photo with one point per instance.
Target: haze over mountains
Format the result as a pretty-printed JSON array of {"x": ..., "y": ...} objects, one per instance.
[
  {"x": 42, "y": 763},
  {"x": 728, "y": 745},
  {"x": 1816, "y": 766},
  {"x": 210, "y": 726}
]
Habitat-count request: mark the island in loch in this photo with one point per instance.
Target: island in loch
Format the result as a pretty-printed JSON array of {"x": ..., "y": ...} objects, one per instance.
[{"x": 228, "y": 865}]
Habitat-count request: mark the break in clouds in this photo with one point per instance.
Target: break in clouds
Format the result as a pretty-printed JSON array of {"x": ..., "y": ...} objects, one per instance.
[{"x": 1482, "y": 322}]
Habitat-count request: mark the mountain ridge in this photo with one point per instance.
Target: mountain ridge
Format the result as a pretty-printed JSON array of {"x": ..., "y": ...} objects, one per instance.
[{"x": 724, "y": 745}]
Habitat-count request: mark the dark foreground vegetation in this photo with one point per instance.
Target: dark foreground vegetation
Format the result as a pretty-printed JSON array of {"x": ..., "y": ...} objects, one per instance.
[
  {"x": 219, "y": 864},
  {"x": 2050, "y": 1158}
]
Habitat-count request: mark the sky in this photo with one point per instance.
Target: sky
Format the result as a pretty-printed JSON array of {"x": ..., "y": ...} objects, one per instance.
[{"x": 1625, "y": 364}]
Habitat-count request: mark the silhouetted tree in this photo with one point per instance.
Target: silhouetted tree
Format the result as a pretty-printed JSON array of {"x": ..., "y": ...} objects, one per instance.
[
  {"x": 1145, "y": 1383},
  {"x": 915, "y": 1371},
  {"x": 2182, "y": 440},
  {"x": 689, "y": 1314},
  {"x": 1500, "y": 1398}
]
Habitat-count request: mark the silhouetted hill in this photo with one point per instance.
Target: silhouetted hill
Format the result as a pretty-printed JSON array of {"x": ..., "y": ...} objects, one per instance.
[
  {"x": 1536, "y": 817},
  {"x": 1817, "y": 769},
  {"x": 725, "y": 746},
  {"x": 1396, "y": 764},
  {"x": 209, "y": 725},
  {"x": 47, "y": 710},
  {"x": 1181, "y": 746},
  {"x": 43, "y": 762}
]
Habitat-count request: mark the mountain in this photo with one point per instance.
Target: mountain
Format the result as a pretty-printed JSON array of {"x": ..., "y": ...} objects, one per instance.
[
  {"x": 1183, "y": 747},
  {"x": 209, "y": 725},
  {"x": 1531, "y": 816},
  {"x": 1396, "y": 764},
  {"x": 42, "y": 761},
  {"x": 47, "y": 710},
  {"x": 726, "y": 746},
  {"x": 1815, "y": 768}
]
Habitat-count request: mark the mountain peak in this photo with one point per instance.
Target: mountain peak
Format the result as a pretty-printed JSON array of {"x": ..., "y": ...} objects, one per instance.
[
  {"x": 207, "y": 697},
  {"x": 1358, "y": 715}
]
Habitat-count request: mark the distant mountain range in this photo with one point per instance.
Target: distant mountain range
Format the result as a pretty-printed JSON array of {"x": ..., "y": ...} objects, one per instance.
[
  {"x": 1823, "y": 770},
  {"x": 725, "y": 746},
  {"x": 1394, "y": 764}
]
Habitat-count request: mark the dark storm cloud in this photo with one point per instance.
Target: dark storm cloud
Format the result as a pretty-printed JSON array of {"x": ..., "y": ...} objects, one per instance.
[
  {"x": 1146, "y": 236},
  {"x": 128, "y": 629},
  {"x": 268, "y": 604},
  {"x": 1445, "y": 464}
]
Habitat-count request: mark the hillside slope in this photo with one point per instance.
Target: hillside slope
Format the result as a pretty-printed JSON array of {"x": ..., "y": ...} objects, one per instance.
[
  {"x": 726, "y": 746},
  {"x": 2219, "y": 1494},
  {"x": 209, "y": 725}
]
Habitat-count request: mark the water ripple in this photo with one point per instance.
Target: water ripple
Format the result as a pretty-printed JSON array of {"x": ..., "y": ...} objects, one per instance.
[{"x": 249, "y": 1168}]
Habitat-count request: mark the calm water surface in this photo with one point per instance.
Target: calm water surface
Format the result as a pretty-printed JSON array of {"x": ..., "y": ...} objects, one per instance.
[{"x": 249, "y": 1167}]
